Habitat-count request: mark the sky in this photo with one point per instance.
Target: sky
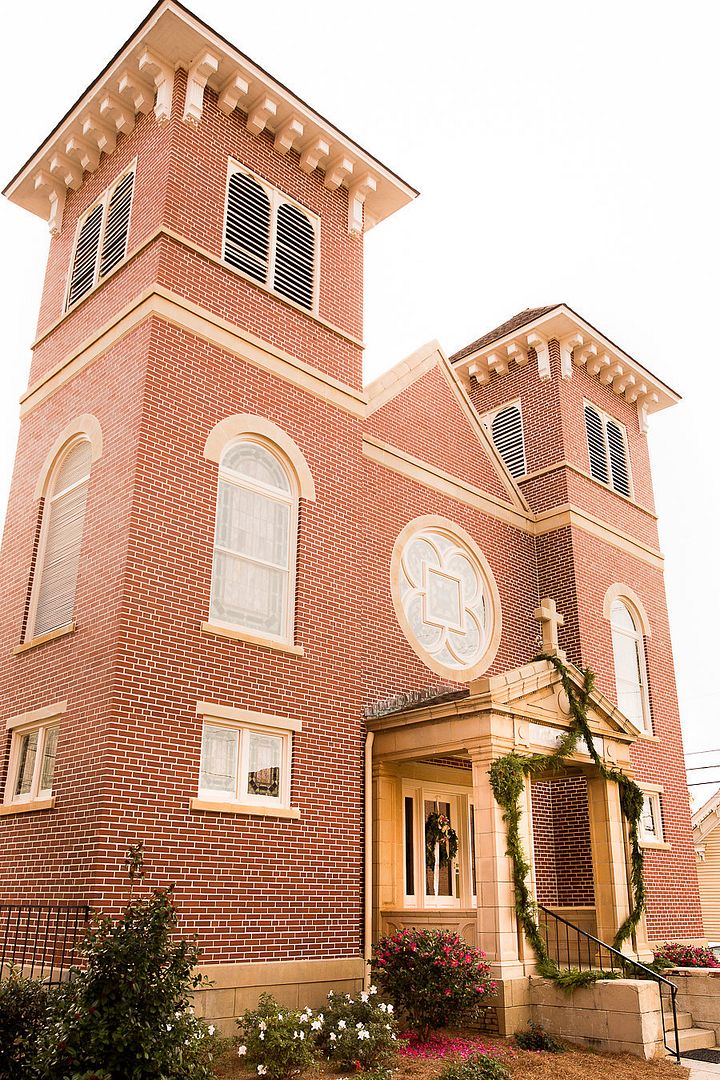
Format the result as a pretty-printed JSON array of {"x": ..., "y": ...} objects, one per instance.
[{"x": 565, "y": 152}]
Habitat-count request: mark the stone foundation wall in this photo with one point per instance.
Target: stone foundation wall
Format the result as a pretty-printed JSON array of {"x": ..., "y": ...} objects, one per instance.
[{"x": 699, "y": 994}]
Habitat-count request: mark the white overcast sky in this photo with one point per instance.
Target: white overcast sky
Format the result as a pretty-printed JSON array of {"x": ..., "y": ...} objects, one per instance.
[{"x": 565, "y": 151}]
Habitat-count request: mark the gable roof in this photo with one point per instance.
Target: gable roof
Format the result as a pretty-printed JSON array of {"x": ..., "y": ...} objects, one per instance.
[{"x": 707, "y": 818}]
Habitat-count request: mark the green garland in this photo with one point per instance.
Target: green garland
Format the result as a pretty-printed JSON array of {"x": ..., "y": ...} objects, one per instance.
[
  {"x": 507, "y": 778},
  {"x": 438, "y": 830}
]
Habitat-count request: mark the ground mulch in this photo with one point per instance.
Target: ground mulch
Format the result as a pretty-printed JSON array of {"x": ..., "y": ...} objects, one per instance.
[{"x": 573, "y": 1064}]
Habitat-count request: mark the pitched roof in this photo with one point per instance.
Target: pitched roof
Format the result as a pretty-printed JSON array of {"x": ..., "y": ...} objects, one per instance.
[{"x": 522, "y": 317}]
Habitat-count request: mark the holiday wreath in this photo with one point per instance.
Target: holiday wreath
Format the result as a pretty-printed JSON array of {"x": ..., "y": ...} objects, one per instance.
[{"x": 439, "y": 833}]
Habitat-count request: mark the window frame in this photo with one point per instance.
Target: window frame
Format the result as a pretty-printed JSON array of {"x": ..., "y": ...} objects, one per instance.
[
  {"x": 287, "y": 634},
  {"x": 604, "y": 419},
  {"x": 276, "y": 198},
  {"x": 488, "y": 419},
  {"x": 38, "y": 564},
  {"x": 652, "y": 793},
  {"x": 43, "y": 721},
  {"x": 104, "y": 201},
  {"x": 638, "y": 637},
  {"x": 245, "y": 723}
]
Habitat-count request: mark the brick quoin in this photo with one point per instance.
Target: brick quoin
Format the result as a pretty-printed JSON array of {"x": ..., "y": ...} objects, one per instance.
[{"x": 258, "y": 888}]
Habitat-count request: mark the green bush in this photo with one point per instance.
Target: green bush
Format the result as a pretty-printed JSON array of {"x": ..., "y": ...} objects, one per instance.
[
  {"x": 126, "y": 1013},
  {"x": 278, "y": 1042},
  {"x": 433, "y": 976},
  {"x": 359, "y": 1032},
  {"x": 23, "y": 1008},
  {"x": 477, "y": 1067},
  {"x": 537, "y": 1038}
]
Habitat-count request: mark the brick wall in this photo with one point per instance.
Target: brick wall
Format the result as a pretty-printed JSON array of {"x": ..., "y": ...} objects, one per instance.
[{"x": 561, "y": 842}]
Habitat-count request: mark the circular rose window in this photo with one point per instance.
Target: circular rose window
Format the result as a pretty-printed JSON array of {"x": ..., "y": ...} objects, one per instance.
[{"x": 446, "y": 598}]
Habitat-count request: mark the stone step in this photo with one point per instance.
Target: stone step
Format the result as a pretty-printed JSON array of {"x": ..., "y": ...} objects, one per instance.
[
  {"x": 696, "y": 1039},
  {"x": 684, "y": 1020}
]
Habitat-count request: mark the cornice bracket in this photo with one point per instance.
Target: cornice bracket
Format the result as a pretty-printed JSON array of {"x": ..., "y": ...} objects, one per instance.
[
  {"x": 235, "y": 88},
  {"x": 357, "y": 194},
  {"x": 163, "y": 78},
  {"x": 136, "y": 91},
  {"x": 119, "y": 113},
  {"x": 205, "y": 64},
  {"x": 313, "y": 153},
  {"x": 56, "y": 197},
  {"x": 261, "y": 110},
  {"x": 574, "y": 341},
  {"x": 288, "y": 134},
  {"x": 338, "y": 170},
  {"x": 539, "y": 344}
]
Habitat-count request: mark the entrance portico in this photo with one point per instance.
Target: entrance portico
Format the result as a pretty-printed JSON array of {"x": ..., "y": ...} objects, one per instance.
[{"x": 435, "y": 757}]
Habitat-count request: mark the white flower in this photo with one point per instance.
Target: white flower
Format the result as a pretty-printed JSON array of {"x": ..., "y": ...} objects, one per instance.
[
  {"x": 360, "y": 1026},
  {"x": 280, "y": 1016},
  {"x": 262, "y": 1069},
  {"x": 211, "y": 1029},
  {"x": 373, "y": 990},
  {"x": 242, "y": 1051},
  {"x": 364, "y": 996},
  {"x": 382, "y": 1007},
  {"x": 302, "y": 1035},
  {"x": 263, "y": 1025},
  {"x": 169, "y": 1027},
  {"x": 316, "y": 1025},
  {"x": 364, "y": 1034},
  {"x": 341, "y": 1025},
  {"x": 389, "y": 1008},
  {"x": 333, "y": 1036},
  {"x": 262, "y": 1036}
]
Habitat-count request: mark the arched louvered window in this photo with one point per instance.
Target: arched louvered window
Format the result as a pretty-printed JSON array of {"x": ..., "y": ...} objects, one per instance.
[
  {"x": 247, "y": 227},
  {"x": 507, "y": 434},
  {"x": 630, "y": 671},
  {"x": 271, "y": 239},
  {"x": 607, "y": 450},
  {"x": 52, "y": 601},
  {"x": 294, "y": 255},
  {"x": 255, "y": 542},
  {"x": 102, "y": 238}
]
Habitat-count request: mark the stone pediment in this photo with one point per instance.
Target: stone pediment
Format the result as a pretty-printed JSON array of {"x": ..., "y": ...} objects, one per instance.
[{"x": 534, "y": 692}]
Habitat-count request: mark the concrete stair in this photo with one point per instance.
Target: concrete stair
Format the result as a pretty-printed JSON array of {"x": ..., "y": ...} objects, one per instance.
[{"x": 690, "y": 1038}]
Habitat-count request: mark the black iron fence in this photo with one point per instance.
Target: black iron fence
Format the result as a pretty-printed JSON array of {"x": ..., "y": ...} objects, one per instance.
[
  {"x": 573, "y": 948},
  {"x": 41, "y": 940}
]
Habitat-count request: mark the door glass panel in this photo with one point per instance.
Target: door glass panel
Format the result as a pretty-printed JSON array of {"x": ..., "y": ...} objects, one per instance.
[
  {"x": 472, "y": 849},
  {"x": 438, "y": 882},
  {"x": 26, "y": 765},
  {"x": 409, "y": 846}
]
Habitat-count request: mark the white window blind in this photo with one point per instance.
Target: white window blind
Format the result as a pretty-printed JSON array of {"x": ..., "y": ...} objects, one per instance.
[
  {"x": 629, "y": 658},
  {"x": 596, "y": 445},
  {"x": 102, "y": 239},
  {"x": 618, "y": 459},
  {"x": 507, "y": 434},
  {"x": 270, "y": 239},
  {"x": 254, "y": 542},
  {"x": 53, "y": 601}
]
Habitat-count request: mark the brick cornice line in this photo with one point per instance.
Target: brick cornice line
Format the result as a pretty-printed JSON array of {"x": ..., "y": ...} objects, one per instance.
[
  {"x": 560, "y": 517},
  {"x": 169, "y": 234},
  {"x": 586, "y": 476},
  {"x": 174, "y": 309}
]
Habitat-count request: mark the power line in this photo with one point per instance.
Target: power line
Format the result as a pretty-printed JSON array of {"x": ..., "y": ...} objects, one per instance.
[
  {"x": 694, "y": 753},
  {"x": 699, "y": 768},
  {"x": 704, "y": 783}
]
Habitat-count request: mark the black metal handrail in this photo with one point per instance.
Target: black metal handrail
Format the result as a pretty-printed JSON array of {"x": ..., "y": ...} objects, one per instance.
[
  {"x": 618, "y": 962},
  {"x": 41, "y": 939}
]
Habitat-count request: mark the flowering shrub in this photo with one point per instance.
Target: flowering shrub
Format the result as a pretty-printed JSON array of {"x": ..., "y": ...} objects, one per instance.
[
  {"x": 23, "y": 1006},
  {"x": 433, "y": 976},
  {"x": 127, "y": 1012},
  {"x": 477, "y": 1067},
  {"x": 278, "y": 1042},
  {"x": 359, "y": 1033},
  {"x": 672, "y": 954}
]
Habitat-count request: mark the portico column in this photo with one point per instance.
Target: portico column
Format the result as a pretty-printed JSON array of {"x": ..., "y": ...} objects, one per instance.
[
  {"x": 612, "y": 898},
  {"x": 496, "y": 920}
]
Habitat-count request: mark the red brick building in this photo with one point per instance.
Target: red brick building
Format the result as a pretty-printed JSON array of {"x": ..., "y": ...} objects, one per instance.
[{"x": 269, "y": 621}]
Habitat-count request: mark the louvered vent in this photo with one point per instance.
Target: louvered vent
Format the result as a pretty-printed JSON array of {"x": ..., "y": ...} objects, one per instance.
[
  {"x": 596, "y": 445},
  {"x": 247, "y": 227},
  {"x": 618, "y": 459},
  {"x": 63, "y": 529},
  {"x": 294, "y": 256},
  {"x": 82, "y": 277},
  {"x": 507, "y": 434},
  {"x": 117, "y": 224}
]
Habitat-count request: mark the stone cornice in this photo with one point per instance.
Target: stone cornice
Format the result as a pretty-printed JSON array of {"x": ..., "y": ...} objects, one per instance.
[
  {"x": 581, "y": 345},
  {"x": 140, "y": 80}
]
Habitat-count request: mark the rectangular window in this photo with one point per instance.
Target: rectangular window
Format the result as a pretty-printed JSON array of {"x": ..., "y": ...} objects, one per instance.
[
  {"x": 102, "y": 236},
  {"x": 473, "y": 866},
  {"x": 651, "y": 830},
  {"x": 409, "y": 846},
  {"x": 32, "y": 763},
  {"x": 270, "y": 238},
  {"x": 245, "y": 758},
  {"x": 607, "y": 450}
]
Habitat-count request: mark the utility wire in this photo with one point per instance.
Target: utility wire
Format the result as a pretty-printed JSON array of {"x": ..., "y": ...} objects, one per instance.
[{"x": 700, "y": 768}]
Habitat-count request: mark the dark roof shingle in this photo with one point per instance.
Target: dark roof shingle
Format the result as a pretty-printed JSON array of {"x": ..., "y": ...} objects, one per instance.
[{"x": 522, "y": 317}]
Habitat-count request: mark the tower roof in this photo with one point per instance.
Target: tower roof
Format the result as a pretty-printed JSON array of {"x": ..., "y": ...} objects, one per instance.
[{"x": 139, "y": 78}]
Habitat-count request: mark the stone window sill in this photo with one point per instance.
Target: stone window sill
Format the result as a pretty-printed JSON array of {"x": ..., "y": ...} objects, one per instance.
[
  {"x": 252, "y": 639},
  {"x": 238, "y": 808},
  {"x": 27, "y": 807},
  {"x": 645, "y": 736},
  {"x": 655, "y": 845},
  {"x": 42, "y": 639}
]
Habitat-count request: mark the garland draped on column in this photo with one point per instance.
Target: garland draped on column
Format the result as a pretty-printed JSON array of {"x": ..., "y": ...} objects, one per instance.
[{"x": 507, "y": 779}]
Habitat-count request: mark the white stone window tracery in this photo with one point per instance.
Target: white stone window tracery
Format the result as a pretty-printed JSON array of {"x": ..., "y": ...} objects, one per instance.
[{"x": 446, "y": 599}]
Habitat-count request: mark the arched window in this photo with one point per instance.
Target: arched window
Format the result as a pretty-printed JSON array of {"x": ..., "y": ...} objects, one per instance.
[
  {"x": 630, "y": 671},
  {"x": 506, "y": 428},
  {"x": 247, "y": 230},
  {"x": 253, "y": 579},
  {"x": 52, "y": 599}
]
